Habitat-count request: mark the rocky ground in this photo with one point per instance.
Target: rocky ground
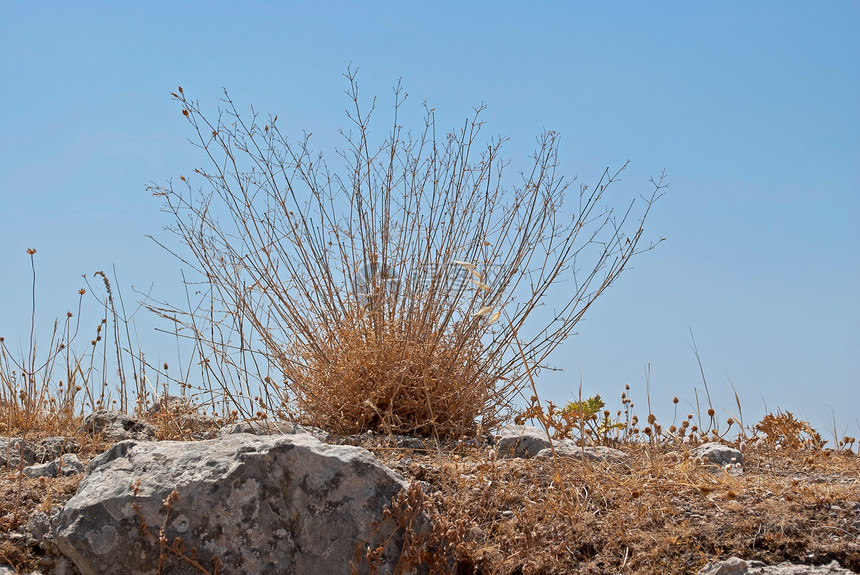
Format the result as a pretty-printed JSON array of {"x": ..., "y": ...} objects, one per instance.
[{"x": 506, "y": 503}]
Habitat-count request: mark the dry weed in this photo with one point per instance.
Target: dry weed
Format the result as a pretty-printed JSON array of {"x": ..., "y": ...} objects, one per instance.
[{"x": 370, "y": 299}]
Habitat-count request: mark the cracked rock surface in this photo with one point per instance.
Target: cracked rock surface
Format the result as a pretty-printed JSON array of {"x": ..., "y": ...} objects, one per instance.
[{"x": 256, "y": 504}]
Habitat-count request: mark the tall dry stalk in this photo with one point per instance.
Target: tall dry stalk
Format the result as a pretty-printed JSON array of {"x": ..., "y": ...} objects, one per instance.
[
  {"x": 39, "y": 388},
  {"x": 367, "y": 298},
  {"x": 50, "y": 387}
]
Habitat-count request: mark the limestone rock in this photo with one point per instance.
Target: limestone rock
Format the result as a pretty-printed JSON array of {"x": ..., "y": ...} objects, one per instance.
[
  {"x": 169, "y": 404},
  {"x": 719, "y": 455},
  {"x": 736, "y": 566},
  {"x": 116, "y": 426},
  {"x": 522, "y": 441},
  {"x": 13, "y": 450},
  {"x": 258, "y": 504},
  {"x": 181, "y": 415},
  {"x": 597, "y": 454},
  {"x": 38, "y": 535},
  {"x": 38, "y": 525},
  {"x": 65, "y": 465},
  {"x": 267, "y": 427}
]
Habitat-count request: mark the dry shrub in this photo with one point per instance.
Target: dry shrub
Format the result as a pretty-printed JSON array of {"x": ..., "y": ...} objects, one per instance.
[
  {"x": 783, "y": 429},
  {"x": 405, "y": 384},
  {"x": 386, "y": 297},
  {"x": 407, "y": 514}
]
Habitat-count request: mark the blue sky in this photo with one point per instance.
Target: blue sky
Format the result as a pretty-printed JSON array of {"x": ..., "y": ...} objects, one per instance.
[{"x": 753, "y": 109}]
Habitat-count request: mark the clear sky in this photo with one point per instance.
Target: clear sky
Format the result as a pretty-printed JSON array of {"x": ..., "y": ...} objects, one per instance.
[{"x": 753, "y": 109}]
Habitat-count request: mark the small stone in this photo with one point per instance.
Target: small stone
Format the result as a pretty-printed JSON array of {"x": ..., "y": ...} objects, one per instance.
[
  {"x": 719, "y": 455},
  {"x": 522, "y": 441},
  {"x": 63, "y": 566},
  {"x": 65, "y": 465},
  {"x": 51, "y": 448},
  {"x": 737, "y": 566},
  {"x": 38, "y": 525},
  {"x": 169, "y": 404},
  {"x": 13, "y": 449},
  {"x": 731, "y": 566},
  {"x": 116, "y": 426}
]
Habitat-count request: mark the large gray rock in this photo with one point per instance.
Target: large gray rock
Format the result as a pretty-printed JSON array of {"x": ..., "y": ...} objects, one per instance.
[
  {"x": 259, "y": 504},
  {"x": 522, "y": 441},
  {"x": 736, "y": 566},
  {"x": 116, "y": 426}
]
